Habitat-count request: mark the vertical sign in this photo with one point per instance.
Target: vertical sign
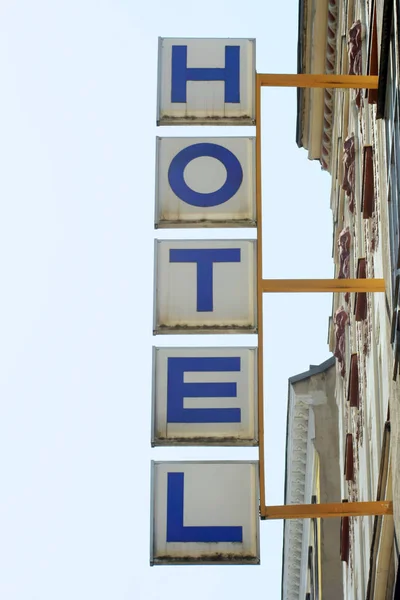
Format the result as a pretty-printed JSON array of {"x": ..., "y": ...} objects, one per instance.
[
  {"x": 204, "y": 396},
  {"x": 205, "y": 512},
  {"x": 206, "y": 81}
]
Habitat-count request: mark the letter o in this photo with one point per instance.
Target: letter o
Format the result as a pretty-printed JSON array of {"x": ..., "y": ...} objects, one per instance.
[{"x": 234, "y": 175}]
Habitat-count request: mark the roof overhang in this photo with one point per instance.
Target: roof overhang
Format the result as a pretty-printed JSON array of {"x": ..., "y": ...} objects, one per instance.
[{"x": 316, "y": 53}]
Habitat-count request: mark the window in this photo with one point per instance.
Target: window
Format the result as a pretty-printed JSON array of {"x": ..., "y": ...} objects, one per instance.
[
  {"x": 348, "y": 458},
  {"x": 352, "y": 393},
  {"x": 368, "y": 184},
  {"x": 344, "y": 538},
  {"x": 311, "y": 572},
  {"x": 360, "y": 305},
  {"x": 372, "y": 95},
  {"x": 314, "y": 524}
]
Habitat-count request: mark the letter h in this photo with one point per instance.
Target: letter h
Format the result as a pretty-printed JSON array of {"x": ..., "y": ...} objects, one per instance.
[{"x": 181, "y": 74}]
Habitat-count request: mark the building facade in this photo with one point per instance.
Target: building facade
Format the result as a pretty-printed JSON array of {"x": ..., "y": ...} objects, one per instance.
[{"x": 355, "y": 136}]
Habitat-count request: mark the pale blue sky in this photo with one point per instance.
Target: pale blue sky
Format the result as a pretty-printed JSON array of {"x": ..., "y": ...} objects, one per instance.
[{"x": 77, "y": 139}]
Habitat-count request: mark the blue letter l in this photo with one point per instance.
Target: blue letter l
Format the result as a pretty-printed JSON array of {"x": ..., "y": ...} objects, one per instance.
[{"x": 176, "y": 530}]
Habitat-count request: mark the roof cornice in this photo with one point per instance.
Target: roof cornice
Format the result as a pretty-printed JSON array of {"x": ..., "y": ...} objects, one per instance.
[{"x": 330, "y": 68}]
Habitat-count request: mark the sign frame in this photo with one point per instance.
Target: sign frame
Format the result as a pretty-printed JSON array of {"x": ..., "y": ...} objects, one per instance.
[
  {"x": 248, "y": 121},
  {"x": 204, "y": 441},
  {"x": 206, "y": 329},
  {"x": 247, "y": 223},
  {"x": 195, "y": 562}
]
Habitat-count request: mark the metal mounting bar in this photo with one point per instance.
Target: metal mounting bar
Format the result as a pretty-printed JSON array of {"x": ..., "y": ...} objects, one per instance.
[
  {"x": 323, "y": 285},
  {"x": 306, "y": 80},
  {"x": 301, "y": 285},
  {"x": 260, "y": 322},
  {"x": 328, "y": 510}
]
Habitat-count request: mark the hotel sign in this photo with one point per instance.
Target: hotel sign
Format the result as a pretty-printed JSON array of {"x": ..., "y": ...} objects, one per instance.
[{"x": 205, "y": 512}]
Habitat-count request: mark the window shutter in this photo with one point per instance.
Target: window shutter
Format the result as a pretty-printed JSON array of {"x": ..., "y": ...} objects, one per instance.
[
  {"x": 368, "y": 184},
  {"x": 360, "y": 305},
  {"x": 352, "y": 392},
  {"x": 349, "y": 459}
]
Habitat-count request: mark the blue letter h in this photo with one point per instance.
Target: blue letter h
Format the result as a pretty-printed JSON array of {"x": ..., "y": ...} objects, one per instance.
[{"x": 181, "y": 74}]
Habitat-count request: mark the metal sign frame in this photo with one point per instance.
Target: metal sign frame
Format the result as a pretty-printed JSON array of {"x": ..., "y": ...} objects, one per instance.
[
  {"x": 202, "y": 561},
  {"x": 161, "y": 329},
  {"x": 157, "y": 441},
  {"x": 323, "y": 510},
  {"x": 241, "y": 120},
  {"x": 246, "y": 145}
]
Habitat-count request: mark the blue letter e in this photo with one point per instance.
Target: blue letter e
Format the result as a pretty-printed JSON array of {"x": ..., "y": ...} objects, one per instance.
[{"x": 177, "y": 390}]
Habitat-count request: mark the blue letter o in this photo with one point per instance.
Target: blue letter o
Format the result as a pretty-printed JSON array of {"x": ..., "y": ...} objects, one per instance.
[{"x": 234, "y": 175}]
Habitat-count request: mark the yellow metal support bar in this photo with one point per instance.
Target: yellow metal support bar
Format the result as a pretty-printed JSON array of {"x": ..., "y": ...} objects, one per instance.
[
  {"x": 302, "y": 511},
  {"x": 322, "y": 285},
  {"x": 328, "y": 510},
  {"x": 364, "y": 82},
  {"x": 260, "y": 329}
]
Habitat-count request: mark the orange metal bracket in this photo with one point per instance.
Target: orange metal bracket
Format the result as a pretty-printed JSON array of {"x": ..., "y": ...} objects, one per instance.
[
  {"x": 328, "y": 510},
  {"x": 322, "y": 285},
  {"x": 312, "y": 80},
  {"x": 302, "y": 511},
  {"x": 260, "y": 351}
]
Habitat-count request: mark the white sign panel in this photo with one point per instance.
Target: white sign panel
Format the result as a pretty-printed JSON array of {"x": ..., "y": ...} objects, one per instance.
[
  {"x": 208, "y": 81},
  {"x": 205, "y": 181},
  {"x": 205, "y": 512},
  {"x": 204, "y": 396},
  {"x": 205, "y": 286}
]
